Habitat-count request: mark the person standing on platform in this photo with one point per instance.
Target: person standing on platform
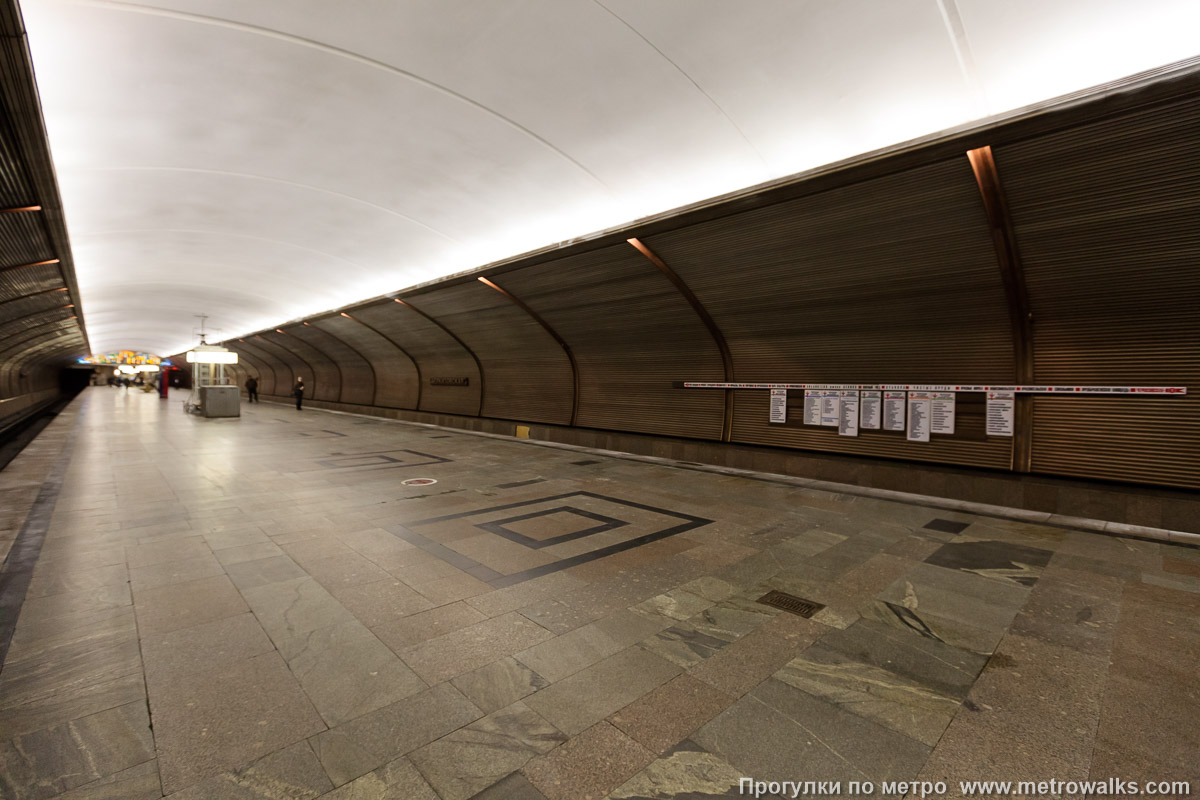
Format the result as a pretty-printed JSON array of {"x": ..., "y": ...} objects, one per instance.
[
  {"x": 298, "y": 391},
  {"x": 252, "y": 388}
]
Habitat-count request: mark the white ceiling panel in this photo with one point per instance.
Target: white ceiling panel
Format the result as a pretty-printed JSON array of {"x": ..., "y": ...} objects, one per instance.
[{"x": 257, "y": 161}]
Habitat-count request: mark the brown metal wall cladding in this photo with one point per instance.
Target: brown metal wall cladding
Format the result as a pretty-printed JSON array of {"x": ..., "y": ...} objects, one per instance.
[
  {"x": 1107, "y": 219},
  {"x": 23, "y": 240},
  {"x": 17, "y": 327},
  {"x": 632, "y": 334},
  {"x": 15, "y": 189},
  {"x": 285, "y": 365},
  {"x": 527, "y": 374},
  {"x": 28, "y": 280},
  {"x": 435, "y": 350},
  {"x": 327, "y": 383},
  {"x": 395, "y": 373},
  {"x": 893, "y": 280},
  {"x": 356, "y": 380},
  {"x": 251, "y": 364}
]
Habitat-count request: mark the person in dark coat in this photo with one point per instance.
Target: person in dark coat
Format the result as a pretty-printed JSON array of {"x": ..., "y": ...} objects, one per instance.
[
  {"x": 252, "y": 388},
  {"x": 298, "y": 391}
]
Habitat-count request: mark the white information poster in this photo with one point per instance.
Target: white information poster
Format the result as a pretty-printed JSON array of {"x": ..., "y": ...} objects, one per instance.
[
  {"x": 869, "y": 410},
  {"x": 919, "y": 409},
  {"x": 831, "y": 408},
  {"x": 812, "y": 407},
  {"x": 779, "y": 405},
  {"x": 1001, "y": 413},
  {"x": 848, "y": 414},
  {"x": 941, "y": 413},
  {"x": 893, "y": 411}
]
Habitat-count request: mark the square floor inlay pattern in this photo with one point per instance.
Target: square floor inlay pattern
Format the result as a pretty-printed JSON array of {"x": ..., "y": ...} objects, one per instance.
[
  {"x": 388, "y": 459},
  {"x": 550, "y": 527}
]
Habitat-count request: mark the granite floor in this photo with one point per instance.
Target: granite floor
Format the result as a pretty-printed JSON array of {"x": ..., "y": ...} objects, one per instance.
[{"x": 261, "y": 608}]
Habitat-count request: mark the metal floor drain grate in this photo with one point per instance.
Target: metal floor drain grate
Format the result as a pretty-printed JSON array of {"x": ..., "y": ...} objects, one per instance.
[{"x": 790, "y": 603}]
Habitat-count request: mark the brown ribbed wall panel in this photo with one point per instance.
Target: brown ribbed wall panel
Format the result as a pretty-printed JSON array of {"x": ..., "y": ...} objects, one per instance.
[
  {"x": 254, "y": 364},
  {"x": 395, "y": 372},
  {"x": 632, "y": 334},
  {"x": 23, "y": 240},
  {"x": 435, "y": 350},
  {"x": 327, "y": 379},
  {"x": 31, "y": 304},
  {"x": 27, "y": 280},
  {"x": 890, "y": 281},
  {"x": 356, "y": 376},
  {"x": 1108, "y": 221},
  {"x": 285, "y": 365},
  {"x": 527, "y": 374}
]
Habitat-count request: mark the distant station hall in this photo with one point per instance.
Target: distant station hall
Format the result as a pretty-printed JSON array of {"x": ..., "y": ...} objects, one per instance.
[{"x": 590, "y": 399}]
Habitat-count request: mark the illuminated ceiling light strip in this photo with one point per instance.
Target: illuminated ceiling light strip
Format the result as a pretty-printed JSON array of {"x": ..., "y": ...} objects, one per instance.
[
  {"x": 19, "y": 209},
  {"x": 34, "y": 264}
]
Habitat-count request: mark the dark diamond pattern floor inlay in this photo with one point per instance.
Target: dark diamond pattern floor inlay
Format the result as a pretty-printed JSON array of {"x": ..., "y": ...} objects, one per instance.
[
  {"x": 947, "y": 526},
  {"x": 1002, "y": 561}
]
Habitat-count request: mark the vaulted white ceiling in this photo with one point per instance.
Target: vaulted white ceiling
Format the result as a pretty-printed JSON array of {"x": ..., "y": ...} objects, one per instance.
[{"x": 258, "y": 160}]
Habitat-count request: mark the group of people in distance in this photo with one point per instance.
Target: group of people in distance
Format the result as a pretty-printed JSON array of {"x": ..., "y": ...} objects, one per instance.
[{"x": 297, "y": 390}]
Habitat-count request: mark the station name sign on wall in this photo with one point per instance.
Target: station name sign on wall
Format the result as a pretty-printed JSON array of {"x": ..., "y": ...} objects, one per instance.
[{"x": 449, "y": 381}]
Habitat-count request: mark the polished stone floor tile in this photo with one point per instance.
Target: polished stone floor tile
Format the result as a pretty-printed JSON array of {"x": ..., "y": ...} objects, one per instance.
[
  {"x": 451, "y": 654},
  {"x": 177, "y": 571},
  {"x": 513, "y": 787},
  {"x": 293, "y": 773},
  {"x": 583, "y": 699},
  {"x": 590, "y": 765},
  {"x": 396, "y": 780},
  {"x": 347, "y": 672},
  {"x": 136, "y": 783},
  {"x": 250, "y": 574},
  {"x": 750, "y": 660},
  {"x": 383, "y": 601},
  {"x": 777, "y": 727},
  {"x": 499, "y": 684},
  {"x": 48, "y": 762},
  {"x": 1003, "y": 729},
  {"x": 182, "y": 605},
  {"x": 477, "y": 756},
  {"x": 669, "y": 714},
  {"x": 228, "y": 717},
  {"x": 685, "y": 771},
  {"x": 372, "y": 740},
  {"x": 404, "y": 632}
]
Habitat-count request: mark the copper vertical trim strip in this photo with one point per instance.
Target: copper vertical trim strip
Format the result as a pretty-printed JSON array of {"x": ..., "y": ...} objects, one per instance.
[
  {"x": 34, "y": 264},
  {"x": 709, "y": 323},
  {"x": 1012, "y": 275},
  {"x": 554, "y": 335},
  {"x": 392, "y": 342},
  {"x": 462, "y": 344},
  {"x": 357, "y": 352}
]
